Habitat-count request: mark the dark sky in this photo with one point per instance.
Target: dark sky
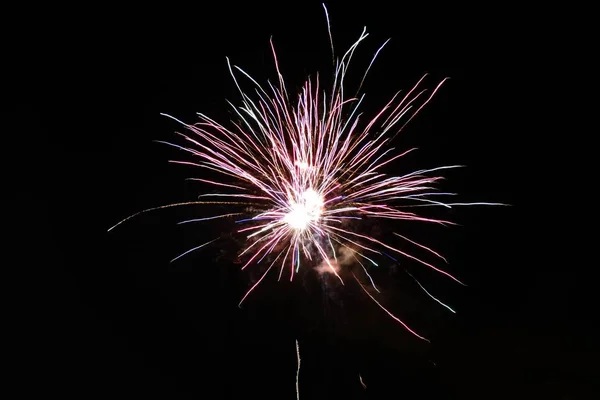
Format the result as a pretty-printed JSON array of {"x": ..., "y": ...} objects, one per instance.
[{"x": 107, "y": 315}]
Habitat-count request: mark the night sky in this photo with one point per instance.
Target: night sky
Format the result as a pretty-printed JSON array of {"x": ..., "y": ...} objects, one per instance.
[{"x": 106, "y": 315}]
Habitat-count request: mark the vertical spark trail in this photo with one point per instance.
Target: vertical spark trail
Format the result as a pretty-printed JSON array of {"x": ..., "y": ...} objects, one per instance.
[{"x": 298, "y": 371}]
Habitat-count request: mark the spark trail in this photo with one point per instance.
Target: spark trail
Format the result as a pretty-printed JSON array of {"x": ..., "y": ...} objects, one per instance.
[{"x": 297, "y": 371}]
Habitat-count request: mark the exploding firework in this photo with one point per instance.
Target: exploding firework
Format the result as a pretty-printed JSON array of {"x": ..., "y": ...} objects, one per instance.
[{"x": 299, "y": 173}]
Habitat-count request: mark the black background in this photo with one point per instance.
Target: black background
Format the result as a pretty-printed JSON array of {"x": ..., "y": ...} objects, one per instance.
[{"x": 107, "y": 315}]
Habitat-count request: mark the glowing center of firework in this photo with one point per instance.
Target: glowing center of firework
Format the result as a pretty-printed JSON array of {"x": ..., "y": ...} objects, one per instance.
[
  {"x": 301, "y": 164},
  {"x": 306, "y": 211}
]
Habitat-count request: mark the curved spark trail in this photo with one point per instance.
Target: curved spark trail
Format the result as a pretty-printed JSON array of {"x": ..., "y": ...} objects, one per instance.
[{"x": 305, "y": 174}]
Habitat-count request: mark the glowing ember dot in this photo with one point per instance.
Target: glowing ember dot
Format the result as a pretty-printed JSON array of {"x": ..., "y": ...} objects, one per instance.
[{"x": 306, "y": 211}]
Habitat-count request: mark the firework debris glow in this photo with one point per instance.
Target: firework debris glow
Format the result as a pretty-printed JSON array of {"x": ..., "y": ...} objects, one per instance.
[{"x": 299, "y": 174}]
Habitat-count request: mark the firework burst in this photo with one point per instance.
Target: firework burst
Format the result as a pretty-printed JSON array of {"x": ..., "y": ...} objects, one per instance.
[{"x": 299, "y": 173}]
